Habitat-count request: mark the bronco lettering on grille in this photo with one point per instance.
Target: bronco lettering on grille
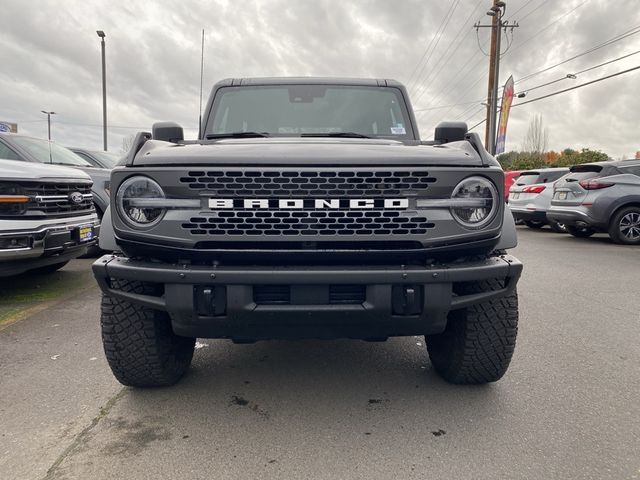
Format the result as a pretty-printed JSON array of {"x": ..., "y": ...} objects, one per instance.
[{"x": 308, "y": 203}]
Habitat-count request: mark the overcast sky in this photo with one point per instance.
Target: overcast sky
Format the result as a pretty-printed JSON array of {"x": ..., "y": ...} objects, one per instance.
[{"x": 50, "y": 60}]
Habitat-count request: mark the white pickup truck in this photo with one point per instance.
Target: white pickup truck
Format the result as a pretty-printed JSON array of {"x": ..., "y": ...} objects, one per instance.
[{"x": 47, "y": 216}]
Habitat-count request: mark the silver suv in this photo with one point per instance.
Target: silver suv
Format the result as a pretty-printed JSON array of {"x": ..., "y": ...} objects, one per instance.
[
  {"x": 600, "y": 197},
  {"x": 530, "y": 197}
]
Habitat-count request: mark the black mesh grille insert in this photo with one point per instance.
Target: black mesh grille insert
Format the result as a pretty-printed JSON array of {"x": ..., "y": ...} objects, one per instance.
[
  {"x": 289, "y": 183},
  {"x": 309, "y": 223}
]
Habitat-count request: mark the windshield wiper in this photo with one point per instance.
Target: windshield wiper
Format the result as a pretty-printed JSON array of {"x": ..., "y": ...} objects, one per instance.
[
  {"x": 212, "y": 136},
  {"x": 335, "y": 134}
]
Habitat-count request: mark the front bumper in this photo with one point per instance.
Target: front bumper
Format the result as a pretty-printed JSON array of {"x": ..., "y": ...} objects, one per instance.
[
  {"x": 397, "y": 300},
  {"x": 23, "y": 249}
]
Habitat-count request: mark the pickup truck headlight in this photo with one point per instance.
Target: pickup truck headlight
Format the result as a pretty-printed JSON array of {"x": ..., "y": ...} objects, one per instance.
[
  {"x": 477, "y": 202},
  {"x": 136, "y": 202}
]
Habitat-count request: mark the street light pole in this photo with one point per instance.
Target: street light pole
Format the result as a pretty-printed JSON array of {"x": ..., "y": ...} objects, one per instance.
[
  {"x": 104, "y": 89},
  {"x": 48, "y": 114}
]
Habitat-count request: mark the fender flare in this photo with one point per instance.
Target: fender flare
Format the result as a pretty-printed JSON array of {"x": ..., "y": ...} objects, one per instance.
[
  {"x": 509, "y": 236},
  {"x": 107, "y": 239}
]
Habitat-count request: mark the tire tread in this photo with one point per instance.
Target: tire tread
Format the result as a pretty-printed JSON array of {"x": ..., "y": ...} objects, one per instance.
[
  {"x": 479, "y": 341},
  {"x": 139, "y": 344}
]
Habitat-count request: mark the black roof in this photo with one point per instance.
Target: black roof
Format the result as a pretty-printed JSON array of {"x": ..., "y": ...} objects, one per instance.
[{"x": 367, "y": 82}]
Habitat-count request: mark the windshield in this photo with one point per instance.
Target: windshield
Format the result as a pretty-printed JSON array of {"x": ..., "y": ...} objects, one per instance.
[
  {"x": 108, "y": 159},
  {"x": 295, "y": 110},
  {"x": 48, "y": 152}
]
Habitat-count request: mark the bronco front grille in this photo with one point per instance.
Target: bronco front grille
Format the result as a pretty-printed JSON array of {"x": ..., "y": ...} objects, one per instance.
[
  {"x": 335, "y": 186},
  {"x": 305, "y": 183},
  {"x": 309, "y": 223}
]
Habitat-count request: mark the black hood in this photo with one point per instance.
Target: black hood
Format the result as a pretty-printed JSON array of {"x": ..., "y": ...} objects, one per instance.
[{"x": 306, "y": 151}]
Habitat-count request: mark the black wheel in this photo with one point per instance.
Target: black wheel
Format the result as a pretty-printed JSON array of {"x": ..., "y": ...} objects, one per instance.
[
  {"x": 478, "y": 342},
  {"x": 54, "y": 267},
  {"x": 140, "y": 345},
  {"x": 580, "y": 232},
  {"x": 625, "y": 226},
  {"x": 558, "y": 227},
  {"x": 534, "y": 224}
]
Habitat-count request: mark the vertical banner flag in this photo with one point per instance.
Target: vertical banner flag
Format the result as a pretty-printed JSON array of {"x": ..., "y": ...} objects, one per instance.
[{"x": 507, "y": 99}]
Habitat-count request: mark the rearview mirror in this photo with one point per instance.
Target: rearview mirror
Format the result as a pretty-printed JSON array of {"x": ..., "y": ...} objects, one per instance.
[{"x": 167, "y": 132}]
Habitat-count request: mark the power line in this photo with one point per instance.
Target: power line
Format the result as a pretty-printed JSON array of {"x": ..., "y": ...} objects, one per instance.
[
  {"x": 465, "y": 68},
  {"x": 577, "y": 86},
  {"x": 612, "y": 40},
  {"x": 436, "y": 108},
  {"x": 521, "y": 8},
  {"x": 549, "y": 25},
  {"x": 477, "y": 124},
  {"x": 571, "y": 75},
  {"x": 424, "y": 65},
  {"x": 445, "y": 58},
  {"x": 424, "y": 54},
  {"x": 532, "y": 11}
]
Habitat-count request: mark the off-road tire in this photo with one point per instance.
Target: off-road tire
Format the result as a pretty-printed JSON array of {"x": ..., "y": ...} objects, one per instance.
[
  {"x": 54, "y": 267},
  {"x": 533, "y": 224},
  {"x": 478, "y": 342},
  {"x": 580, "y": 232},
  {"x": 628, "y": 214},
  {"x": 558, "y": 227},
  {"x": 139, "y": 344}
]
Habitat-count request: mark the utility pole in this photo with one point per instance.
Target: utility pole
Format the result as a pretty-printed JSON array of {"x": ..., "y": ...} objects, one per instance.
[
  {"x": 496, "y": 12},
  {"x": 48, "y": 114},
  {"x": 101, "y": 34}
]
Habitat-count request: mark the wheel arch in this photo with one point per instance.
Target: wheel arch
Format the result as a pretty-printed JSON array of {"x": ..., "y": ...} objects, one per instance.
[{"x": 635, "y": 202}]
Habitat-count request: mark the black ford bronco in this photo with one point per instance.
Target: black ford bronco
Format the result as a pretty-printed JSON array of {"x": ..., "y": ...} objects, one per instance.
[{"x": 307, "y": 208}]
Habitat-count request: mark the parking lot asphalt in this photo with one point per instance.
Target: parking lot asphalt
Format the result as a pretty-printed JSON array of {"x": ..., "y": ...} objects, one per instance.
[{"x": 567, "y": 408}]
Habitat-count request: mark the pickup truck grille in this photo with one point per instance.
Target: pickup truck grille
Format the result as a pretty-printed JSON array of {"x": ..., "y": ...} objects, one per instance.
[
  {"x": 52, "y": 199},
  {"x": 340, "y": 182}
]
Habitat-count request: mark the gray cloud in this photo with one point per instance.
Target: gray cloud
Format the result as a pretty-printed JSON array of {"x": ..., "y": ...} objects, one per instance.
[{"x": 51, "y": 60}]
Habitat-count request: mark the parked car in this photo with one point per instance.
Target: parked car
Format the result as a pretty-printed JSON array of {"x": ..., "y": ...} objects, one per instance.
[
  {"x": 600, "y": 197},
  {"x": 47, "y": 216},
  {"x": 509, "y": 179},
  {"x": 97, "y": 158},
  {"x": 30, "y": 149},
  {"x": 530, "y": 197}
]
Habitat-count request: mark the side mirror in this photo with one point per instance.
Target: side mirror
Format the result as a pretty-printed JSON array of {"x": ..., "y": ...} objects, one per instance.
[
  {"x": 167, "y": 132},
  {"x": 447, "y": 132}
]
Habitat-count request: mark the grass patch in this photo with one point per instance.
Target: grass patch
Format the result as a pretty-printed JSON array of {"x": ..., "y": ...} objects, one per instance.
[{"x": 22, "y": 293}]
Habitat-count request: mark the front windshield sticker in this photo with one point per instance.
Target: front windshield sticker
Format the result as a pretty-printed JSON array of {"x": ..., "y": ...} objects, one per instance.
[{"x": 398, "y": 130}]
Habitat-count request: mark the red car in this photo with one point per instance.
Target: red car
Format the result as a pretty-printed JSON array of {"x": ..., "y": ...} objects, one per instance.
[{"x": 509, "y": 179}]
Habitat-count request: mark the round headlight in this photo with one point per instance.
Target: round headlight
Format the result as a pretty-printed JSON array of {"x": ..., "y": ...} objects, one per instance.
[
  {"x": 475, "y": 202},
  {"x": 135, "y": 202}
]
